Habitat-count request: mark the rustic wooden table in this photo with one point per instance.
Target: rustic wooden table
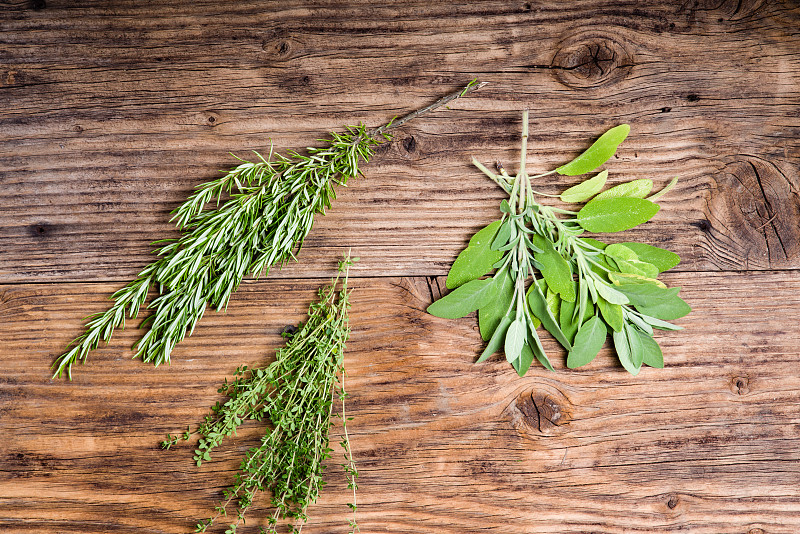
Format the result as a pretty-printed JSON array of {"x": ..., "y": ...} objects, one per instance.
[{"x": 111, "y": 112}]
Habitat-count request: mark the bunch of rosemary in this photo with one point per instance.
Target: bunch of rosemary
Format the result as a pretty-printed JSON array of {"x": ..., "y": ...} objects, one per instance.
[
  {"x": 578, "y": 288},
  {"x": 269, "y": 210},
  {"x": 296, "y": 394}
]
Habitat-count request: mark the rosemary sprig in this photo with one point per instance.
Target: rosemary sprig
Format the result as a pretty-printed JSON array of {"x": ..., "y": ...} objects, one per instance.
[
  {"x": 578, "y": 288},
  {"x": 296, "y": 393},
  {"x": 269, "y": 209}
]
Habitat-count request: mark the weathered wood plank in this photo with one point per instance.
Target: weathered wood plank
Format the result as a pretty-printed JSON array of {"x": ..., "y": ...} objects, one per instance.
[
  {"x": 111, "y": 115},
  {"x": 707, "y": 445}
]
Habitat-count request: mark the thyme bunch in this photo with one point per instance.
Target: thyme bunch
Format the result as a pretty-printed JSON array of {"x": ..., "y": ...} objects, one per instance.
[
  {"x": 296, "y": 394},
  {"x": 254, "y": 217}
]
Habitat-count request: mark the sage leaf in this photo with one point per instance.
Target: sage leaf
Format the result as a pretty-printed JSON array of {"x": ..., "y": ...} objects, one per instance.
[
  {"x": 538, "y": 306},
  {"x": 612, "y": 314},
  {"x": 640, "y": 323},
  {"x": 651, "y": 352},
  {"x": 615, "y": 214},
  {"x": 635, "y": 344},
  {"x": 489, "y": 315},
  {"x": 523, "y": 363},
  {"x": 515, "y": 339},
  {"x": 664, "y": 260},
  {"x": 553, "y": 302},
  {"x": 476, "y": 260},
  {"x": 588, "y": 342},
  {"x": 463, "y": 300},
  {"x": 638, "y": 268},
  {"x": 646, "y": 294},
  {"x": 621, "y": 252},
  {"x": 569, "y": 320},
  {"x": 597, "y": 154},
  {"x": 633, "y": 189},
  {"x": 610, "y": 294},
  {"x": 658, "y": 323},
  {"x": 555, "y": 269},
  {"x": 503, "y": 235},
  {"x": 497, "y": 339},
  {"x": 623, "y": 350},
  {"x": 621, "y": 278},
  {"x": 669, "y": 310},
  {"x": 594, "y": 242},
  {"x": 584, "y": 190}
]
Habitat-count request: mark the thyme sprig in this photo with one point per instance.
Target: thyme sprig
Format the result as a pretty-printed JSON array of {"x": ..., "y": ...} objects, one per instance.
[
  {"x": 253, "y": 218},
  {"x": 296, "y": 394},
  {"x": 546, "y": 273}
]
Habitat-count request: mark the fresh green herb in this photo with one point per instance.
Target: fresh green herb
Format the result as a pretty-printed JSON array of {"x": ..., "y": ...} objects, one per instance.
[
  {"x": 296, "y": 394},
  {"x": 268, "y": 211},
  {"x": 581, "y": 288}
]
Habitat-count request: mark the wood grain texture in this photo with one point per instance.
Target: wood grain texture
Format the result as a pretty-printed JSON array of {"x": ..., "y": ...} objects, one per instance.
[
  {"x": 111, "y": 116},
  {"x": 708, "y": 444},
  {"x": 111, "y": 112}
]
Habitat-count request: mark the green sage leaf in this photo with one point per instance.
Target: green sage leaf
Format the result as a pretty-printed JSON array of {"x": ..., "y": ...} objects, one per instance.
[
  {"x": 610, "y": 294},
  {"x": 489, "y": 315},
  {"x": 635, "y": 344},
  {"x": 463, "y": 300},
  {"x": 515, "y": 339},
  {"x": 615, "y": 214},
  {"x": 597, "y": 154},
  {"x": 568, "y": 317},
  {"x": 503, "y": 235},
  {"x": 584, "y": 190},
  {"x": 476, "y": 260},
  {"x": 638, "y": 268},
  {"x": 633, "y": 189},
  {"x": 623, "y": 349},
  {"x": 497, "y": 338},
  {"x": 645, "y": 294},
  {"x": 658, "y": 323},
  {"x": 664, "y": 260},
  {"x": 588, "y": 342},
  {"x": 538, "y": 306},
  {"x": 621, "y": 252},
  {"x": 523, "y": 363},
  {"x": 612, "y": 314},
  {"x": 669, "y": 310},
  {"x": 555, "y": 269},
  {"x": 651, "y": 352}
]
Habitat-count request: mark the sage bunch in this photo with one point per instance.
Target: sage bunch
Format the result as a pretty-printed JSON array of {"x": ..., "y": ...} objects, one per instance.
[
  {"x": 545, "y": 272},
  {"x": 296, "y": 394},
  {"x": 251, "y": 219}
]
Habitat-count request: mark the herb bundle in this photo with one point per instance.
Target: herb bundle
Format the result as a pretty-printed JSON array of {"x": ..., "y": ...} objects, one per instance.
[
  {"x": 269, "y": 209},
  {"x": 296, "y": 393},
  {"x": 580, "y": 289}
]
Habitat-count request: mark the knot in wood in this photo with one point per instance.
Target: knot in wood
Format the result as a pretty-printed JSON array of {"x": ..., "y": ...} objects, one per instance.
[
  {"x": 760, "y": 199},
  {"x": 591, "y": 59},
  {"x": 541, "y": 411},
  {"x": 740, "y": 385}
]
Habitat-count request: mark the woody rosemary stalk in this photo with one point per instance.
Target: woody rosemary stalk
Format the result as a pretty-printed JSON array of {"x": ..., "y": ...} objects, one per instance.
[
  {"x": 270, "y": 208},
  {"x": 296, "y": 394}
]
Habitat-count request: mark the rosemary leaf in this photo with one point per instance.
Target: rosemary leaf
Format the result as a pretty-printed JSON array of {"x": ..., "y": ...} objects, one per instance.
[{"x": 263, "y": 211}]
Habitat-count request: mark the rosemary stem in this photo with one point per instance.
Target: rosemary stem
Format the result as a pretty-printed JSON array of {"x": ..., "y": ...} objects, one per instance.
[{"x": 472, "y": 86}]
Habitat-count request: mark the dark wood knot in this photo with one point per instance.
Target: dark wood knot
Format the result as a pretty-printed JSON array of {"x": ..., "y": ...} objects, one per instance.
[
  {"x": 591, "y": 59},
  {"x": 410, "y": 144},
  {"x": 541, "y": 411},
  {"x": 740, "y": 385},
  {"x": 759, "y": 198},
  {"x": 672, "y": 503}
]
